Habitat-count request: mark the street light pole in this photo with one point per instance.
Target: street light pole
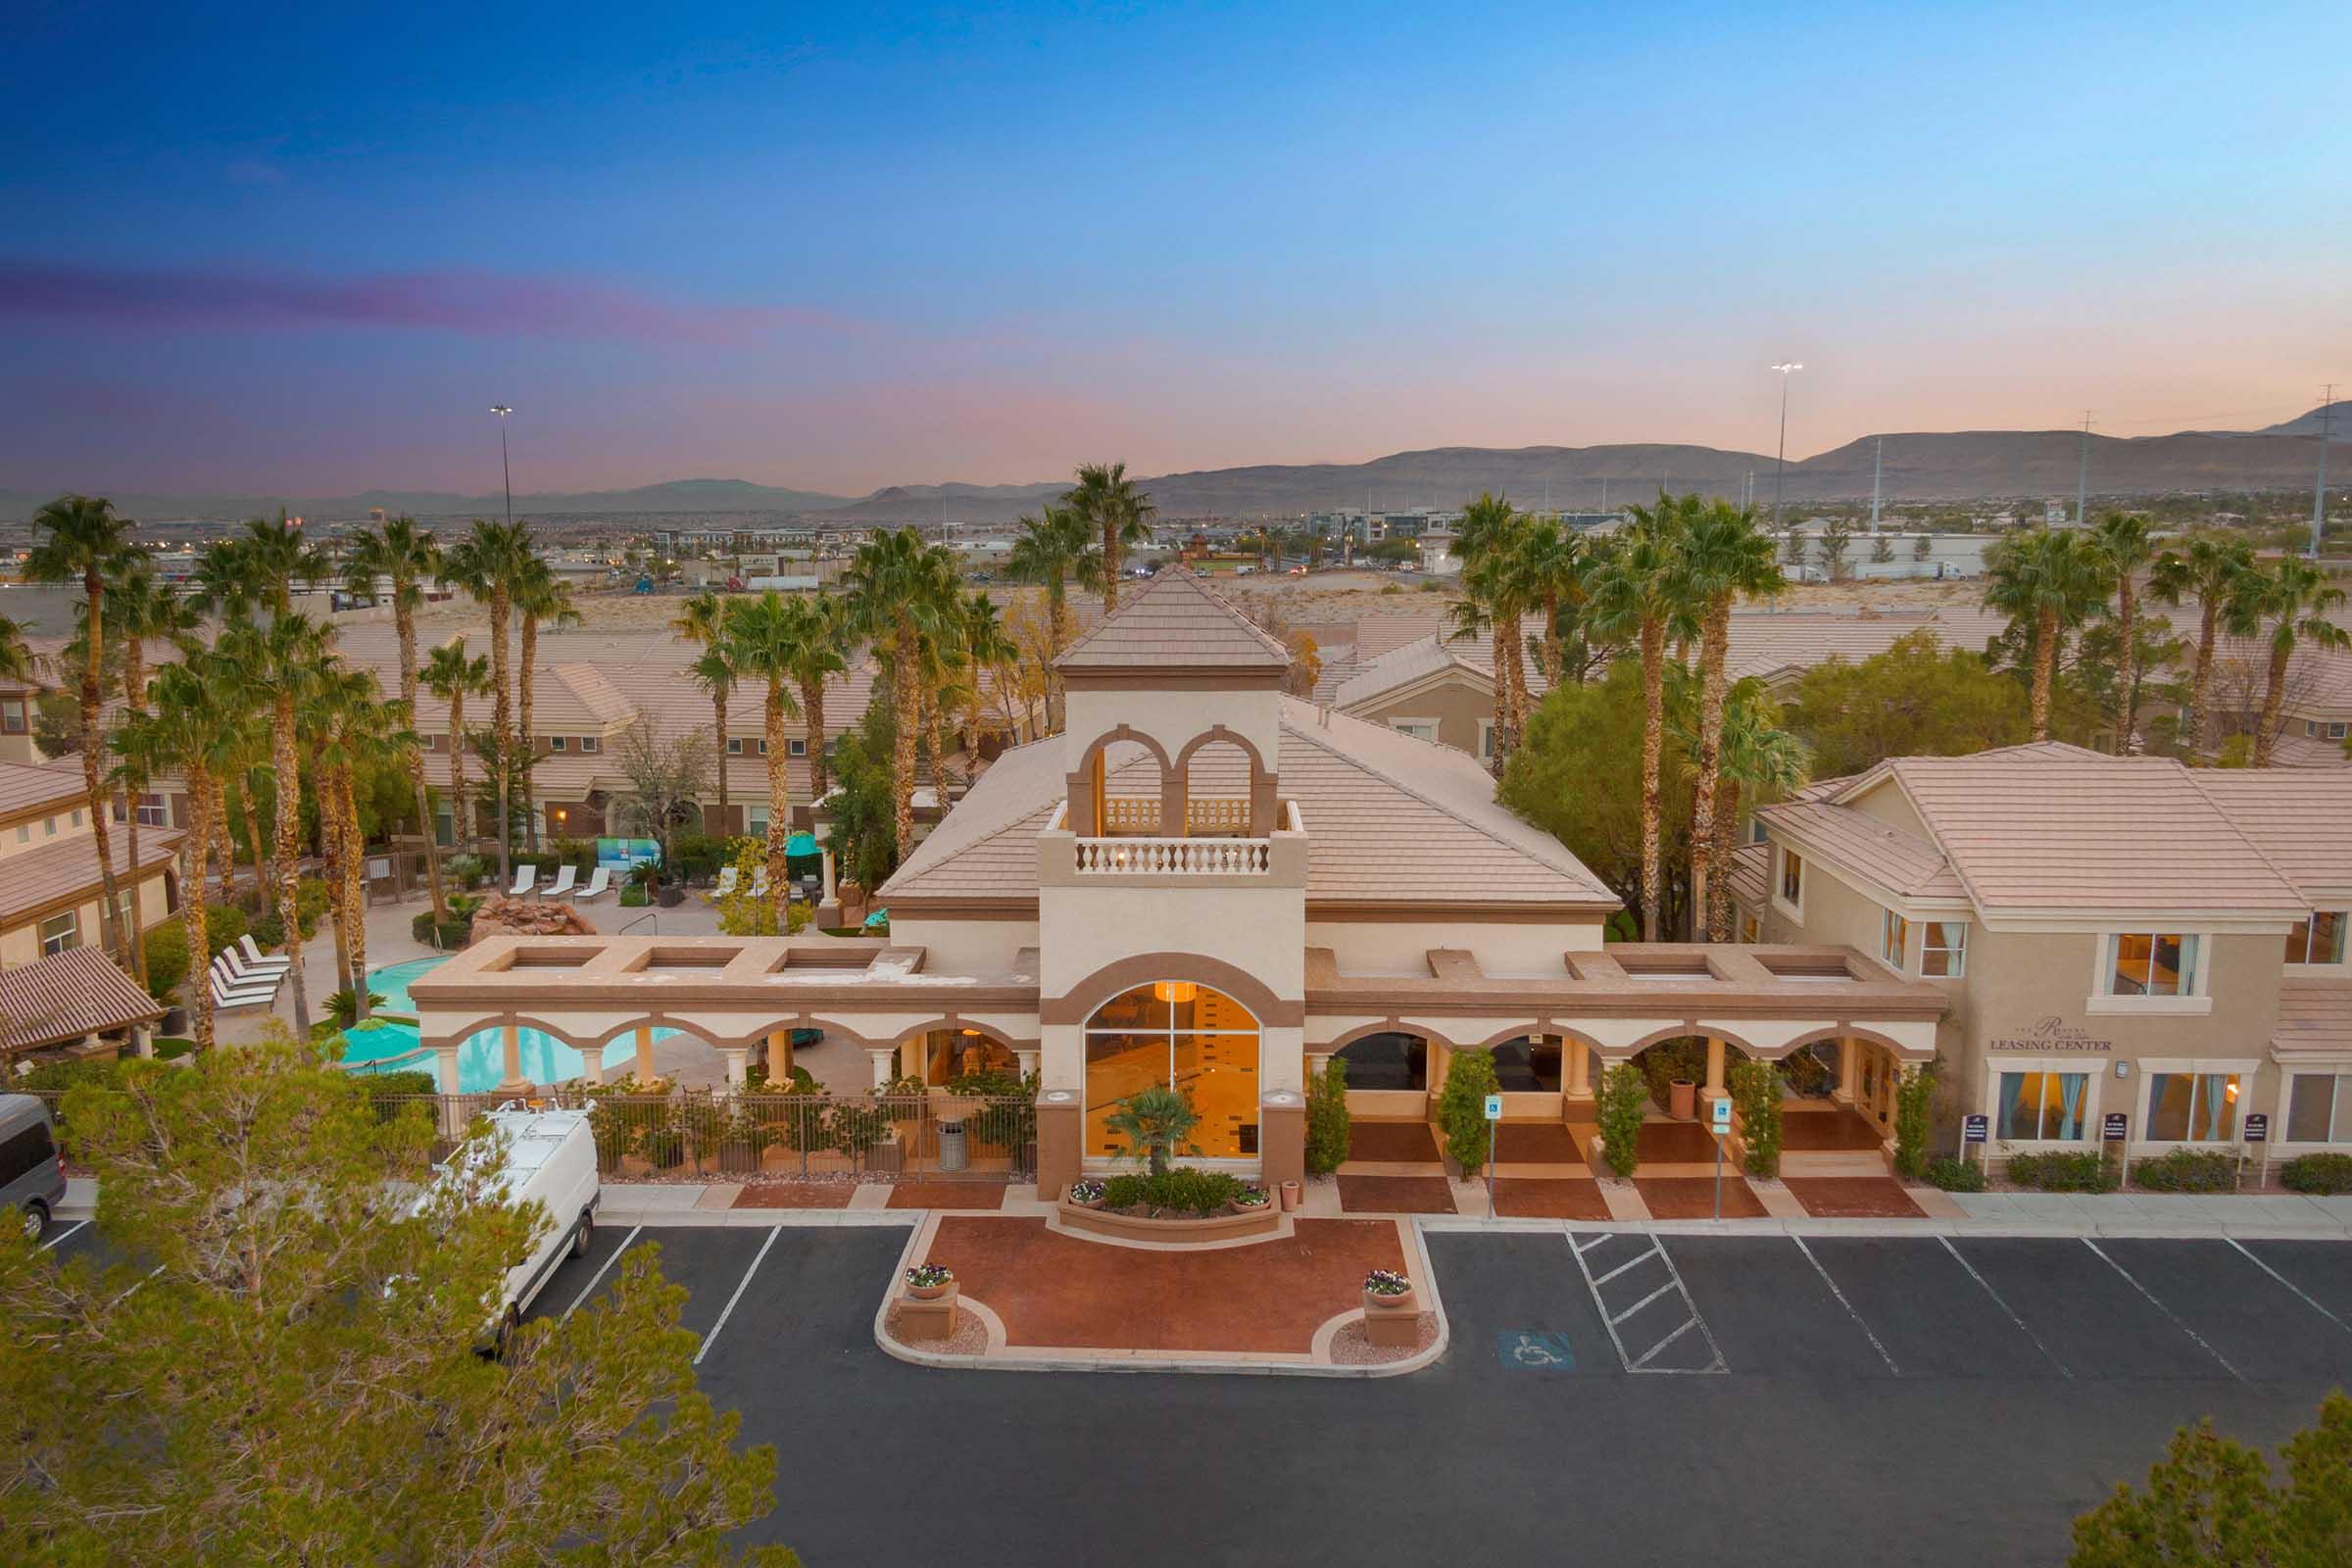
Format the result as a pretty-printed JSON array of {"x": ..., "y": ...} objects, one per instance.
[
  {"x": 505, "y": 472},
  {"x": 1780, "y": 463}
]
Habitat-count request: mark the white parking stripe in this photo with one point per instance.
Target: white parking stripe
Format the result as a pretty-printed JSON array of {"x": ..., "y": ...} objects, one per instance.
[
  {"x": 2004, "y": 1305},
  {"x": 2290, "y": 1285},
  {"x": 1848, "y": 1305},
  {"x": 600, "y": 1272},
  {"x": 2166, "y": 1310},
  {"x": 710, "y": 1339},
  {"x": 62, "y": 1235}
]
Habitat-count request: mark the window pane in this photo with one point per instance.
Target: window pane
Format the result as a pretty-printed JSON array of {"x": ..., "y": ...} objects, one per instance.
[
  {"x": 2327, "y": 936},
  {"x": 2168, "y": 1096},
  {"x": 2061, "y": 1110},
  {"x": 2175, "y": 966},
  {"x": 2309, "y": 1100},
  {"x": 1143, "y": 1008},
  {"x": 2015, "y": 1116},
  {"x": 1218, "y": 1075},
  {"x": 1116, "y": 1066},
  {"x": 2216, "y": 1119},
  {"x": 2131, "y": 966},
  {"x": 2298, "y": 943},
  {"x": 2342, "y": 1131}
]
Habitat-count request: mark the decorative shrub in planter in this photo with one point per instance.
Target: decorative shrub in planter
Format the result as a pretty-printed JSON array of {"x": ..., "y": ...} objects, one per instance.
[
  {"x": 1180, "y": 1205},
  {"x": 665, "y": 1148},
  {"x": 1252, "y": 1197},
  {"x": 2317, "y": 1173},
  {"x": 2186, "y": 1170},
  {"x": 1087, "y": 1194},
  {"x": 2062, "y": 1172},
  {"x": 1387, "y": 1291},
  {"x": 1955, "y": 1175},
  {"x": 928, "y": 1282}
]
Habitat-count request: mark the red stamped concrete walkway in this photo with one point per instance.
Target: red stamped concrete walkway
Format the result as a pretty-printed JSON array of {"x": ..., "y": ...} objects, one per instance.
[{"x": 1060, "y": 1292}]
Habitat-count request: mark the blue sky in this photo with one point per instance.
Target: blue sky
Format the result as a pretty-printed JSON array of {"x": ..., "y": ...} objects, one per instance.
[{"x": 304, "y": 248}]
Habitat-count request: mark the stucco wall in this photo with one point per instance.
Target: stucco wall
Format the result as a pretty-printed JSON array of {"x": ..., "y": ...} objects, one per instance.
[
  {"x": 965, "y": 947},
  {"x": 1401, "y": 947},
  {"x": 1457, "y": 703}
]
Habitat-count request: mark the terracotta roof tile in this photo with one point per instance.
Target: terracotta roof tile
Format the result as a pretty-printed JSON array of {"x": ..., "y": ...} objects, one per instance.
[
  {"x": 1176, "y": 620},
  {"x": 2301, "y": 818},
  {"x": 1900, "y": 862},
  {"x": 29, "y": 787},
  {"x": 2315, "y": 1018},
  {"x": 41, "y": 876}
]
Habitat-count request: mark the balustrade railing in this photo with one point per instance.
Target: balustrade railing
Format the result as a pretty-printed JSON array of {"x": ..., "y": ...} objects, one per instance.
[{"x": 1143, "y": 857}]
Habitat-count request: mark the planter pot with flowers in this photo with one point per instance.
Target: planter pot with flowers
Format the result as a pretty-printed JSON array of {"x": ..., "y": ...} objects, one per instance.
[
  {"x": 1392, "y": 1309},
  {"x": 928, "y": 1282},
  {"x": 1087, "y": 1194},
  {"x": 1252, "y": 1197}
]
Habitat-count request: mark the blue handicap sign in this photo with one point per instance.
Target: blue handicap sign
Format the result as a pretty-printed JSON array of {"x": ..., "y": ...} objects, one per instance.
[{"x": 1532, "y": 1350}]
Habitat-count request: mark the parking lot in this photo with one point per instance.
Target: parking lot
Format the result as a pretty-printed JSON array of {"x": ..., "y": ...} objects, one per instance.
[{"x": 1845, "y": 1399}]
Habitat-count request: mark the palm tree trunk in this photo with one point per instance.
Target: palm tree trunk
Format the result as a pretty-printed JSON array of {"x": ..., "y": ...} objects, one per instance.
[
  {"x": 906, "y": 703},
  {"x": 1714, "y": 656},
  {"x": 204, "y": 801},
  {"x": 2202, "y": 678},
  {"x": 405, "y": 623},
  {"x": 1727, "y": 821},
  {"x": 94, "y": 742},
  {"x": 264, "y": 877},
  {"x": 2273, "y": 703},
  {"x": 1058, "y": 637},
  {"x": 526, "y": 741},
  {"x": 1110, "y": 570},
  {"x": 1653, "y": 748},
  {"x": 935, "y": 736},
  {"x": 813, "y": 716},
  {"x": 289, "y": 855},
  {"x": 355, "y": 887},
  {"x": 225, "y": 847},
  {"x": 718, "y": 721},
  {"x": 779, "y": 807},
  {"x": 2045, "y": 667},
  {"x": 501, "y": 713},
  {"x": 2127, "y": 622},
  {"x": 335, "y": 851},
  {"x": 134, "y": 689},
  {"x": 1554, "y": 656}
]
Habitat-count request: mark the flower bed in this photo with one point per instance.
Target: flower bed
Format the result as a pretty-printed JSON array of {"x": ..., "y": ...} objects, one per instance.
[{"x": 1180, "y": 1205}]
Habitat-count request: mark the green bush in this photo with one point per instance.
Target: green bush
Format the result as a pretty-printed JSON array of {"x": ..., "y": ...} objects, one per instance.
[
  {"x": 223, "y": 924},
  {"x": 268, "y": 932},
  {"x": 2317, "y": 1173},
  {"x": 344, "y": 1008},
  {"x": 1392, "y": 587},
  {"x": 56, "y": 1077},
  {"x": 1955, "y": 1175},
  {"x": 1327, "y": 1125},
  {"x": 1181, "y": 1188},
  {"x": 665, "y": 1148},
  {"x": 1462, "y": 1109},
  {"x": 2063, "y": 1172},
  {"x": 467, "y": 870},
  {"x": 633, "y": 896},
  {"x": 1756, "y": 1089},
  {"x": 167, "y": 958},
  {"x": 2186, "y": 1170},
  {"x": 1624, "y": 1098},
  {"x": 1661, "y": 1064},
  {"x": 170, "y": 1047},
  {"x": 404, "y": 1081},
  {"x": 1911, "y": 1098}
]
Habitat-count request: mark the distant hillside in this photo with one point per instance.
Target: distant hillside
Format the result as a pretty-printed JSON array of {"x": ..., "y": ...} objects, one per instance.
[
  {"x": 675, "y": 495},
  {"x": 2340, "y": 424}
]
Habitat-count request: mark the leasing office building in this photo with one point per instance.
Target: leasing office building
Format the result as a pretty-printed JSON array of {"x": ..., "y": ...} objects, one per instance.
[{"x": 2114, "y": 935}]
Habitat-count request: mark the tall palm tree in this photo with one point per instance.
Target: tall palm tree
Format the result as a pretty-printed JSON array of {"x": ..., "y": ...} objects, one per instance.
[
  {"x": 901, "y": 591},
  {"x": 280, "y": 662},
  {"x": 406, "y": 556},
  {"x": 453, "y": 677},
  {"x": 713, "y": 671},
  {"x": 331, "y": 692},
  {"x": 84, "y": 542},
  {"x": 362, "y": 731},
  {"x": 2214, "y": 572},
  {"x": 1055, "y": 548},
  {"x": 1641, "y": 596},
  {"x": 275, "y": 557},
  {"x": 188, "y": 732},
  {"x": 16, "y": 656},
  {"x": 2290, "y": 605},
  {"x": 2124, "y": 548},
  {"x": 1118, "y": 512},
  {"x": 541, "y": 597},
  {"x": 701, "y": 619},
  {"x": 987, "y": 648},
  {"x": 1495, "y": 588},
  {"x": 819, "y": 627},
  {"x": 2053, "y": 581},
  {"x": 1725, "y": 554},
  {"x": 1551, "y": 565},
  {"x": 760, "y": 637},
  {"x": 487, "y": 564},
  {"x": 142, "y": 610},
  {"x": 1758, "y": 762}
]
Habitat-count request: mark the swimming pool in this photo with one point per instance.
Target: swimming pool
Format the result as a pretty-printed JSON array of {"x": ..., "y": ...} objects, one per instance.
[{"x": 481, "y": 1061}]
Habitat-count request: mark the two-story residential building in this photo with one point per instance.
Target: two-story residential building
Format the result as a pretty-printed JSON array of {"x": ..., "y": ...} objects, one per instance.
[
  {"x": 51, "y": 891},
  {"x": 2117, "y": 937}
]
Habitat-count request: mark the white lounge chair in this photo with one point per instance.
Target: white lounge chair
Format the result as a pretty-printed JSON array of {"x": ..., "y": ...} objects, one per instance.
[
  {"x": 526, "y": 877},
  {"x": 231, "y": 1001},
  {"x": 560, "y": 887},
  {"x": 239, "y": 972},
  {"x": 256, "y": 958},
  {"x": 599, "y": 883},
  {"x": 224, "y": 983},
  {"x": 727, "y": 877},
  {"x": 760, "y": 884}
]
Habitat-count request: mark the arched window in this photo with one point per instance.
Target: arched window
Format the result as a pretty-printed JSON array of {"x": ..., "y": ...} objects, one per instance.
[{"x": 1180, "y": 1033}]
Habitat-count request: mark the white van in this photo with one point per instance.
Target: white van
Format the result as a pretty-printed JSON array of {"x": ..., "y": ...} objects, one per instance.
[{"x": 551, "y": 1157}]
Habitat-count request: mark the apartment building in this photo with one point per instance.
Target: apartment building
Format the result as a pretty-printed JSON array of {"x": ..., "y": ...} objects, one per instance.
[{"x": 51, "y": 889}]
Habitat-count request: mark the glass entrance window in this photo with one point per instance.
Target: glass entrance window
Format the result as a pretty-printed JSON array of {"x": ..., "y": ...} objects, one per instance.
[
  {"x": 2040, "y": 1106},
  {"x": 1179, "y": 1034},
  {"x": 2192, "y": 1108}
]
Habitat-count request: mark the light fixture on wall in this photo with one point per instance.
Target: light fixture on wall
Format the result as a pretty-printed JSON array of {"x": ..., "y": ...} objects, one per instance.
[{"x": 1176, "y": 992}]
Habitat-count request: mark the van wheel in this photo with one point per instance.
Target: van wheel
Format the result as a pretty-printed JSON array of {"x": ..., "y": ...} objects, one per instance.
[
  {"x": 36, "y": 1219},
  {"x": 579, "y": 1235},
  {"x": 508, "y": 1328}
]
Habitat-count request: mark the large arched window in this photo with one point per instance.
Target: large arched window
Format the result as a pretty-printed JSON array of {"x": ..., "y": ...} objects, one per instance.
[{"x": 1182, "y": 1032}]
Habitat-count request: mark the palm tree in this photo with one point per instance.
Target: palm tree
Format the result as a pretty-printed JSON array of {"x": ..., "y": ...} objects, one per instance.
[
  {"x": 760, "y": 642},
  {"x": 1758, "y": 762},
  {"x": 1115, "y": 510},
  {"x": 1053, "y": 549},
  {"x": 142, "y": 610},
  {"x": 2214, "y": 572},
  {"x": 1551, "y": 573},
  {"x": 713, "y": 671},
  {"x": 1640, "y": 595},
  {"x": 2290, "y": 605},
  {"x": 1495, "y": 588},
  {"x": 86, "y": 543},
  {"x": 188, "y": 732},
  {"x": 364, "y": 731},
  {"x": 453, "y": 677},
  {"x": 701, "y": 619},
  {"x": 2124, "y": 548},
  {"x": 280, "y": 662},
  {"x": 487, "y": 564},
  {"x": 15, "y": 657},
  {"x": 276, "y": 555},
  {"x": 901, "y": 591},
  {"x": 540, "y": 597},
  {"x": 406, "y": 556},
  {"x": 2053, "y": 580},
  {"x": 330, "y": 694},
  {"x": 986, "y": 647},
  {"x": 1724, "y": 555},
  {"x": 819, "y": 627}
]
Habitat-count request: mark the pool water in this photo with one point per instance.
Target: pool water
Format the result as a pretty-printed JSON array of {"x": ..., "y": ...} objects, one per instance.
[{"x": 481, "y": 1059}]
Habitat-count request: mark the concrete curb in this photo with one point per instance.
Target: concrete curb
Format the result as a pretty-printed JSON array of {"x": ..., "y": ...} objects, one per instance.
[{"x": 2254, "y": 1227}]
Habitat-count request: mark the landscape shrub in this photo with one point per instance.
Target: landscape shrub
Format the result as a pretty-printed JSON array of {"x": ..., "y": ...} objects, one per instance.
[
  {"x": 2060, "y": 1171},
  {"x": 1955, "y": 1175},
  {"x": 223, "y": 923},
  {"x": 1624, "y": 1098},
  {"x": 1181, "y": 1188},
  {"x": 633, "y": 896},
  {"x": 1669, "y": 1060},
  {"x": 2317, "y": 1173},
  {"x": 1462, "y": 1109},
  {"x": 2186, "y": 1170},
  {"x": 1911, "y": 1098},
  {"x": 467, "y": 870},
  {"x": 170, "y": 1047},
  {"x": 1756, "y": 1089},
  {"x": 344, "y": 1008},
  {"x": 166, "y": 948},
  {"x": 404, "y": 1081},
  {"x": 56, "y": 1077},
  {"x": 1327, "y": 1124},
  {"x": 1392, "y": 587}
]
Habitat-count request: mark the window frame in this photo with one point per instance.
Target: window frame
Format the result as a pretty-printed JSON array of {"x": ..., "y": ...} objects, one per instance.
[
  {"x": 1894, "y": 941},
  {"x": 2086, "y": 1119},
  {"x": 2283, "y": 1124},
  {"x": 1786, "y": 861},
  {"x": 1414, "y": 727},
  {"x": 15, "y": 716},
  {"x": 591, "y": 745},
  {"x": 558, "y": 743},
  {"x": 2154, "y": 1071},
  {"x": 68, "y": 939},
  {"x": 1956, "y": 957},
  {"x": 2341, "y": 920},
  {"x": 2194, "y": 994}
]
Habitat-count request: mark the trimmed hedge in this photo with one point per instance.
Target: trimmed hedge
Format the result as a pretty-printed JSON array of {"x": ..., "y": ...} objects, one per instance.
[
  {"x": 1182, "y": 1188},
  {"x": 2062, "y": 1172},
  {"x": 1955, "y": 1175},
  {"x": 2317, "y": 1173},
  {"x": 2186, "y": 1170}
]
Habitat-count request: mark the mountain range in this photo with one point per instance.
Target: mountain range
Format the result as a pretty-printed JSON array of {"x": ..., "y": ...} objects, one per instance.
[{"x": 1924, "y": 465}]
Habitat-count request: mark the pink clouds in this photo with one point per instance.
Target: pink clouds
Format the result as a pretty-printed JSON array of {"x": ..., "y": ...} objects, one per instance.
[{"x": 474, "y": 303}]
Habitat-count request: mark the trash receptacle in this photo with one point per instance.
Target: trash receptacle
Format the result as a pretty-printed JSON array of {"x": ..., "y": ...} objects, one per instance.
[{"x": 952, "y": 1154}]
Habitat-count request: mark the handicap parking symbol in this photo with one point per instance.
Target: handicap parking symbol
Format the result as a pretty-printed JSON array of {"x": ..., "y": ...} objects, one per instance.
[{"x": 1532, "y": 1350}]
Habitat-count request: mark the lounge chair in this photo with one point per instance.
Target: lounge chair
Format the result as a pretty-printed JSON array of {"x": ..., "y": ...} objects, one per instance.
[
  {"x": 231, "y": 1001},
  {"x": 760, "y": 884},
  {"x": 238, "y": 978},
  {"x": 224, "y": 983},
  {"x": 525, "y": 879},
  {"x": 253, "y": 969},
  {"x": 727, "y": 877},
  {"x": 599, "y": 883},
  {"x": 560, "y": 887},
  {"x": 256, "y": 958}
]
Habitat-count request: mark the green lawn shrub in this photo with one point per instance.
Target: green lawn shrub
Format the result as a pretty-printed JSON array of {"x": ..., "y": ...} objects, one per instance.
[
  {"x": 1327, "y": 1124},
  {"x": 1462, "y": 1109},
  {"x": 2317, "y": 1173},
  {"x": 1955, "y": 1175},
  {"x": 2186, "y": 1170},
  {"x": 2060, "y": 1171}
]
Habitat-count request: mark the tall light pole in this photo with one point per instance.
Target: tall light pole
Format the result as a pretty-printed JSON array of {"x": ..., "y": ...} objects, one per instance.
[
  {"x": 2082, "y": 477},
  {"x": 1780, "y": 463},
  {"x": 505, "y": 472},
  {"x": 2319, "y": 492}
]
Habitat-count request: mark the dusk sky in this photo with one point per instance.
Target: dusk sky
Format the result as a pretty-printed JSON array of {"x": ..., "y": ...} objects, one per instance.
[{"x": 254, "y": 249}]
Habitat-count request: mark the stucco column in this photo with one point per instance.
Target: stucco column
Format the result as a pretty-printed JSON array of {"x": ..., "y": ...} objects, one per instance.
[
  {"x": 1714, "y": 1068},
  {"x": 1027, "y": 1063},
  {"x": 445, "y": 1060},
  {"x": 1580, "y": 1067},
  {"x": 828, "y": 854},
  {"x": 1060, "y": 1141},
  {"x": 736, "y": 1060},
  {"x": 883, "y": 1057},
  {"x": 779, "y": 1049},
  {"x": 1282, "y": 1136},
  {"x": 142, "y": 1043},
  {"x": 592, "y": 1063},
  {"x": 644, "y": 1069},
  {"x": 511, "y": 1038},
  {"x": 1849, "y": 1067}
]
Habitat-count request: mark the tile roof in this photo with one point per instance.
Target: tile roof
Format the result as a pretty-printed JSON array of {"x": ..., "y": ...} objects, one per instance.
[
  {"x": 39, "y": 877},
  {"x": 1900, "y": 862},
  {"x": 28, "y": 787},
  {"x": 1752, "y": 867},
  {"x": 2301, "y": 818},
  {"x": 66, "y": 996},
  {"x": 1177, "y": 621},
  {"x": 1401, "y": 666},
  {"x": 2315, "y": 1018}
]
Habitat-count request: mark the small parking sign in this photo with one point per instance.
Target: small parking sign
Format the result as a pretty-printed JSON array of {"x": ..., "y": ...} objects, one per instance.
[
  {"x": 1720, "y": 1115},
  {"x": 1494, "y": 1108}
]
